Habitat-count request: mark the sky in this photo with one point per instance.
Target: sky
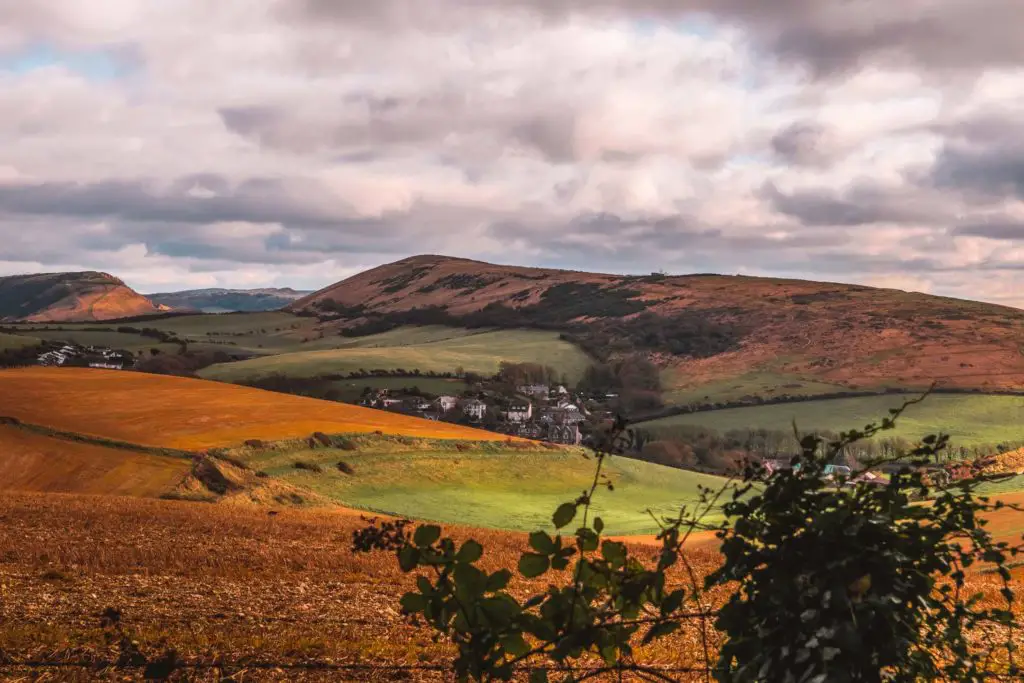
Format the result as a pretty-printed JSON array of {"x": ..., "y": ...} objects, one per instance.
[{"x": 247, "y": 143}]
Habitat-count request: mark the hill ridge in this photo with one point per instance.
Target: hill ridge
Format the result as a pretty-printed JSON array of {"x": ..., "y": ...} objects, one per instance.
[
  {"x": 699, "y": 327},
  {"x": 70, "y": 297}
]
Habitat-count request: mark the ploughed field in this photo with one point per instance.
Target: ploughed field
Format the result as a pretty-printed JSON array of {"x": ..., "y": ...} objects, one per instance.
[{"x": 273, "y": 596}]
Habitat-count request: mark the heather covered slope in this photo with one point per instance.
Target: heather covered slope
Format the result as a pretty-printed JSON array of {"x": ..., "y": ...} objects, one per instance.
[
  {"x": 85, "y": 296},
  {"x": 704, "y": 328}
]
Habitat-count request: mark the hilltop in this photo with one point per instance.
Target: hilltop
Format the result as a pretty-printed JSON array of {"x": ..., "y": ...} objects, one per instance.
[
  {"x": 701, "y": 328},
  {"x": 218, "y": 300},
  {"x": 66, "y": 297}
]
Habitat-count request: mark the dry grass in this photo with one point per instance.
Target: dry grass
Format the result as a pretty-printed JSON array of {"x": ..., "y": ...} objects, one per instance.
[
  {"x": 229, "y": 585},
  {"x": 176, "y": 412},
  {"x": 34, "y": 462}
]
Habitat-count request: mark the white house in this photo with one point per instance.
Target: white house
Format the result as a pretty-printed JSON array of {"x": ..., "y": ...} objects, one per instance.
[
  {"x": 519, "y": 412},
  {"x": 446, "y": 403},
  {"x": 105, "y": 365},
  {"x": 533, "y": 389},
  {"x": 474, "y": 408}
]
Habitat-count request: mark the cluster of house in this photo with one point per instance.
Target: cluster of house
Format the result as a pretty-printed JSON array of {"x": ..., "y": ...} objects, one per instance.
[
  {"x": 92, "y": 356},
  {"x": 536, "y": 412}
]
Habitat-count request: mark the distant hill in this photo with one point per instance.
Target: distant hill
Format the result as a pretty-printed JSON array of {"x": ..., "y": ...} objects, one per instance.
[
  {"x": 229, "y": 300},
  {"x": 701, "y": 328},
  {"x": 70, "y": 297}
]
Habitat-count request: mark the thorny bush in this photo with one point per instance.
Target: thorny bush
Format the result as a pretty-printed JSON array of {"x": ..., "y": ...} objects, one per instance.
[{"x": 830, "y": 580}]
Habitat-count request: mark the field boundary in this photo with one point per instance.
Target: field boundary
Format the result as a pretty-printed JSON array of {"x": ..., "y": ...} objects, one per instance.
[
  {"x": 96, "y": 440},
  {"x": 297, "y": 443}
]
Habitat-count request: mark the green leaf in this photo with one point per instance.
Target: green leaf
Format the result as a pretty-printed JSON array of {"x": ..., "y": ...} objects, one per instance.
[
  {"x": 532, "y": 565},
  {"x": 564, "y": 514},
  {"x": 598, "y": 524},
  {"x": 515, "y": 644},
  {"x": 426, "y": 535},
  {"x": 500, "y": 610},
  {"x": 542, "y": 543},
  {"x": 408, "y": 558},
  {"x": 586, "y": 539},
  {"x": 413, "y": 603},
  {"x": 470, "y": 552},
  {"x": 469, "y": 580},
  {"x": 614, "y": 552},
  {"x": 539, "y": 676},
  {"x": 498, "y": 580},
  {"x": 660, "y": 631}
]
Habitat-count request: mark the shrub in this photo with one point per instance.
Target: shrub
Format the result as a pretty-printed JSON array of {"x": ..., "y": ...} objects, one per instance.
[
  {"x": 827, "y": 583},
  {"x": 345, "y": 468},
  {"x": 308, "y": 466}
]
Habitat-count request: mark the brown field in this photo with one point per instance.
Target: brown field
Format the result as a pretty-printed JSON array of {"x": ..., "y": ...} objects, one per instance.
[
  {"x": 177, "y": 412},
  {"x": 34, "y": 462},
  {"x": 230, "y": 586}
]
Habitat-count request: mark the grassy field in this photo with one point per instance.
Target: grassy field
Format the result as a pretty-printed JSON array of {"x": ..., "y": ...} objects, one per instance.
[
  {"x": 968, "y": 419},
  {"x": 492, "y": 488},
  {"x": 34, "y": 462},
  {"x": 481, "y": 353},
  {"x": 752, "y": 384},
  {"x": 175, "y": 412},
  {"x": 17, "y": 341}
]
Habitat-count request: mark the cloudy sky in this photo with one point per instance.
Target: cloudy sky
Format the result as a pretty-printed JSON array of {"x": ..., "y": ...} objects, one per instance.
[{"x": 190, "y": 143}]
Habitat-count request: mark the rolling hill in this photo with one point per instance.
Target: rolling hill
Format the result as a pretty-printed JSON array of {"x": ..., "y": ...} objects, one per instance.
[
  {"x": 228, "y": 300},
  {"x": 702, "y": 328},
  {"x": 96, "y": 431},
  {"x": 85, "y": 296}
]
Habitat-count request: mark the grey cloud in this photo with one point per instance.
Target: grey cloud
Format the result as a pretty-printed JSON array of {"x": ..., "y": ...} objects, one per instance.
[
  {"x": 388, "y": 124},
  {"x": 860, "y": 205},
  {"x": 1012, "y": 230},
  {"x": 254, "y": 200},
  {"x": 803, "y": 143},
  {"x": 996, "y": 170},
  {"x": 827, "y": 35}
]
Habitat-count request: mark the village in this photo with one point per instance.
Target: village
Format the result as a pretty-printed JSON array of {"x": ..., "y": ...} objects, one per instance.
[
  {"x": 74, "y": 355},
  {"x": 542, "y": 412}
]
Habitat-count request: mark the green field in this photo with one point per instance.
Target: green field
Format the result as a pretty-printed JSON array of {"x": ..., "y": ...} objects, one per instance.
[
  {"x": 969, "y": 419},
  {"x": 500, "y": 489},
  {"x": 759, "y": 383},
  {"x": 481, "y": 353},
  {"x": 16, "y": 341}
]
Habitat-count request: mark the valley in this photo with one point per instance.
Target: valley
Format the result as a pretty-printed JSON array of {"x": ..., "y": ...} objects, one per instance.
[{"x": 208, "y": 492}]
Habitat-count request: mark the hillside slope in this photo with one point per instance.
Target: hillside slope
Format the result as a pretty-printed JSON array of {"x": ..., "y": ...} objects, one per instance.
[
  {"x": 64, "y": 297},
  {"x": 228, "y": 300},
  {"x": 703, "y": 328},
  {"x": 182, "y": 413}
]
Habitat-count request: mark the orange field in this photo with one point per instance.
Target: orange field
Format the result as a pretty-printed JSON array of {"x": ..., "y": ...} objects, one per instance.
[
  {"x": 33, "y": 462},
  {"x": 177, "y": 412}
]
